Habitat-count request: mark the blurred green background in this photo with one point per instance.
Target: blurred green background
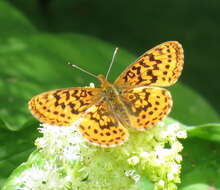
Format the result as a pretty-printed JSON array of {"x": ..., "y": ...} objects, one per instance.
[{"x": 37, "y": 37}]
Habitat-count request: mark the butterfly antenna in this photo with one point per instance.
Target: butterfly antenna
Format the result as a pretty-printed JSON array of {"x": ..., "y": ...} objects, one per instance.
[
  {"x": 113, "y": 58},
  {"x": 81, "y": 69}
]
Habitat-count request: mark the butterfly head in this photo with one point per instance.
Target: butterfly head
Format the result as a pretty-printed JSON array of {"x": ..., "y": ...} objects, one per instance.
[
  {"x": 107, "y": 88},
  {"x": 104, "y": 82}
]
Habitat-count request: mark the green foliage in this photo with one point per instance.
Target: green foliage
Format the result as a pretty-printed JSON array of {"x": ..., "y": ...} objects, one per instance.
[
  {"x": 15, "y": 146},
  {"x": 201, "y": 160},
  {"x": 33, "y": 62},
  {"x": 208, "y": 132},
  {"x": 11, "y": 17}
]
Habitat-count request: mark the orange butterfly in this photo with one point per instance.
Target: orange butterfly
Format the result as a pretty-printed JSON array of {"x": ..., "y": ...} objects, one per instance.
[{"x": 134, "y": 100}]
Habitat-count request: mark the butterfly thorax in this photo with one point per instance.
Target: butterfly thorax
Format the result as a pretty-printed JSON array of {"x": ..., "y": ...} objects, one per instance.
[{"x": 111, "y": 94}]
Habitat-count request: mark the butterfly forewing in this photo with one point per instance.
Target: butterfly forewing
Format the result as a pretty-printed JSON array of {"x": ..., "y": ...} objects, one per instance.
[
  {"x": 146, "y": 106},
  {"x": 62, "y": 107},
  {"x": 100, "y": 127},
  {"x": 160, "y": 66}
]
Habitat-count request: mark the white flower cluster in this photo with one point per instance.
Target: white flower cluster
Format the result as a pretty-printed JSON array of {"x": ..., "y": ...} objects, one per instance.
[
  {"x": 36, "y": 178},
  {"x": 64, "y": 142},
  {"x": 162, "y": 160},
  {"x": 64, "y": 156},
  {"x": 61, "y": 146}
]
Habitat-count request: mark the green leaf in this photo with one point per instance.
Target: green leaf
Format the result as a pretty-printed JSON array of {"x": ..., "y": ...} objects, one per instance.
[
  {"x": 198, "y": 186},
  {"x": 13, "y": 23},
  {"x": 209, "y": 131},
  {"x": 15, "y": 147},
  {"x": 191, "y": 108},
  {"x": 201, "y": 162},
  {"x": 144, "y": 183}
]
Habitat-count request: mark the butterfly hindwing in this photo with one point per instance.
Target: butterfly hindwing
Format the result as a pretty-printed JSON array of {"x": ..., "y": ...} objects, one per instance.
[
  {"x": 101, "y": 128},
  {"x": 146, "y": 106}
]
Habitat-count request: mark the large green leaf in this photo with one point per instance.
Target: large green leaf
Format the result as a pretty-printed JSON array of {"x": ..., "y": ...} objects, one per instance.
[
  {"x": 15, "y": 147},
  {"x": 201, "y": 163},
  {"x": 12, "y": 23},
  {"x": 201, "y": 157},
  {"x": 199, "y": 186},
  {"x": 191, "y": 108},
  {"x": 209, "y": 132}
]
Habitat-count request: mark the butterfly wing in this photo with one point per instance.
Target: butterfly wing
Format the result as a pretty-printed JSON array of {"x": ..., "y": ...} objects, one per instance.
[
  {"x": 62, "y": 107},
  {"x": 160, "y": 66},
  {"x": 101, "y": 128},
  {"x": 146, "y": 105}
]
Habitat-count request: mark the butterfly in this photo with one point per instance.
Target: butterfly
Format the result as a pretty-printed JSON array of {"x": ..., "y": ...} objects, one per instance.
[{"x": 136, "y": 99}]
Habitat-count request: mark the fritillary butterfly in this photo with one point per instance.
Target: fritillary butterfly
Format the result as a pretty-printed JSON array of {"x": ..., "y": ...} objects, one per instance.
[{"x": 135, "y": 99}]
